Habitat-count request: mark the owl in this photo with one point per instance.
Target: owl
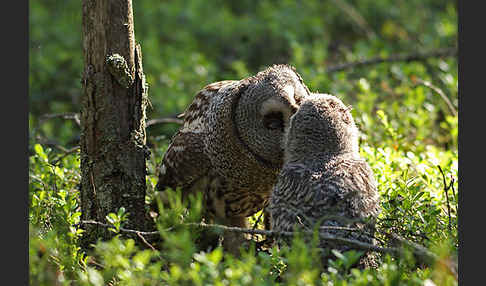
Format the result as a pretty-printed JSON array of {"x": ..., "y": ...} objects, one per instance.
[
  {"x": 324, "y": 183},
  {"x": 230, "y": 146}
]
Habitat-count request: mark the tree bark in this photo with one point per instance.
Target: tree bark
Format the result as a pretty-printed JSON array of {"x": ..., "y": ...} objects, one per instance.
[{"x": 113, "y": 151}]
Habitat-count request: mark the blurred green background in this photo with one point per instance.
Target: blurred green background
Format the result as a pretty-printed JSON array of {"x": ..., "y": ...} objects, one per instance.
[{"x": 188, "y": 44}]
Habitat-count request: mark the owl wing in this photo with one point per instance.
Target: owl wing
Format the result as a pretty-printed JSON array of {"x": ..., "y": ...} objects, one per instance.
[
  {"x": 350, "y": 192},
  {"x": 357, "y": 182},
  {"x": 304, "y": 196},
  {"x": 346, "y": 189},
  {"x": 286, "y": 201},
  {"x": 185, "y": 160}
]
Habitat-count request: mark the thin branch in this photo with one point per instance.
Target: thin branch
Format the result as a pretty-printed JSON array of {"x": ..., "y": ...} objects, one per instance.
[
  {"x": 356, "y": 17},
  {"x": 92, "y": 261},
  {"x": 257, "y": 221},
  {"x": 145, "y": 241},
  {"x": 352, "y": 229},
  {"x": 440, "y": 93},
  {"x": 435, "y": 77},
  {"x": 452, "y": 187},
  {"x": 420, "y": 252},
  {"x": 163, "y": 121},
  {"x": 66, "y": 153},
  {"x": 271, "y": 233},
  {"x": 423, "y": 254},
  {"x": 69, "y": 115},
  {"x": 39, "y": 180},
  {"x": 446, "y": 188},
  {"x": 137, "y": 232},
  {"x": 300, "y": 215},
  {"x": 453, "y": 191},
  {"x": 395, "y": 58},
  {"x": 51, "y": 143}
]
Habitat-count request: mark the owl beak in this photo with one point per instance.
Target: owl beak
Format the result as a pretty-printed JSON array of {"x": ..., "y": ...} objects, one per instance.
[
  {"x": 289, "y": 92},
  {"x": 291, "y": 96}
]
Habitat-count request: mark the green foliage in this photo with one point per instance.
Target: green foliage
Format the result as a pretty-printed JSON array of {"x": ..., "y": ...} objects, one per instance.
[
  {"x": 53, "y": 217},
  {"x": 117, "y": 219},
  {"x": 407, "y": 131}
]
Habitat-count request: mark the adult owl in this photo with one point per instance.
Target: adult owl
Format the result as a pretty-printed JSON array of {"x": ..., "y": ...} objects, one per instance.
[
  {"x": 323, "y": 180},
  {"x": 230, "y": 146}
]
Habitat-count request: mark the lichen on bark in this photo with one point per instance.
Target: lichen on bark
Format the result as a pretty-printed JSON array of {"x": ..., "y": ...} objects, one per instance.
[{"x": 119, "y": 70}]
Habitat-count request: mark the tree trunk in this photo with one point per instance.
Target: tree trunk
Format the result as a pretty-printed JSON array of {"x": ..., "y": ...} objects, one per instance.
[{"x": 113, "y": 151}]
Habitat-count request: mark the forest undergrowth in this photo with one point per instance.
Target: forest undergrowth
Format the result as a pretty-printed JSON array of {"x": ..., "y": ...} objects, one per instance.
[{"x": 394, "y": 62}]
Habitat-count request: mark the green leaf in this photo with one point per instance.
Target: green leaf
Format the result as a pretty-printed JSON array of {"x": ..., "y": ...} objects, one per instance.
[
  {"x": 112, "y": 218},
  {"x": 59, "y": 172},
  {"x": 121, "y": 211},
  {"x": 40, "y": 152}
]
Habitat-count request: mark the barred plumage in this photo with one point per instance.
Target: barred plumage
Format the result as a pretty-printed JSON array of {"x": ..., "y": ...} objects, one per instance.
[
  {"x": 230, "y": 146},
  {"x": 323, "y": 179}
]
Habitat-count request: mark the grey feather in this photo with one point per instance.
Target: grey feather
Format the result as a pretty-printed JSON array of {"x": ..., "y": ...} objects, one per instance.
[{"x": 324, "y": 181}]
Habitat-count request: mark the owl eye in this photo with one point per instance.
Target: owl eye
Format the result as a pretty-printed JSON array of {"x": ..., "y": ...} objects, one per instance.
[{"x": 274, "y": 121}]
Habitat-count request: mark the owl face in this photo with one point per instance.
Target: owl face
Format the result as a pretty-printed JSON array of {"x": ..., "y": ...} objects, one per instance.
[
  {"x": 263, "y": 112},
  {"x": 323, "y": 124}
]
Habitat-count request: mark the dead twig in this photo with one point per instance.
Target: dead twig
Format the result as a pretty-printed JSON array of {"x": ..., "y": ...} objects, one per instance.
[
  {"x": 163, "y": 121},
  {"x": 395, "y": 58},
  {"x": 92, "y": 261},
  {"x": 453, "y": 191},
  {"x": 451, "y": 107},
  {"x": 352, "y": 229},
  {"x": 66, "y": 153},
  {"x": 446, "y": 188},
  {"x": 69, "y": 115},
  {"x": 424, "y": 256},
  {"x": 356, "y": 17},
  {"x": 420, "y": 251},
  {"x": 145, "y": 241},
  {"x": 137, "y": 232}
]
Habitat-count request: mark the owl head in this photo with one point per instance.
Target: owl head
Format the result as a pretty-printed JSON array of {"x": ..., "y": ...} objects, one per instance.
[
  {"x": 323, "y": 124},
  {"x": 253, "y": 114},
  {"x": 263, "y": 111}
]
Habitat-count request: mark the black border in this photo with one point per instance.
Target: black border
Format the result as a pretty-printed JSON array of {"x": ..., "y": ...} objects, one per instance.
[
  {"x": 471, "y": 218},
  {"x": 15, "y": 203}
]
